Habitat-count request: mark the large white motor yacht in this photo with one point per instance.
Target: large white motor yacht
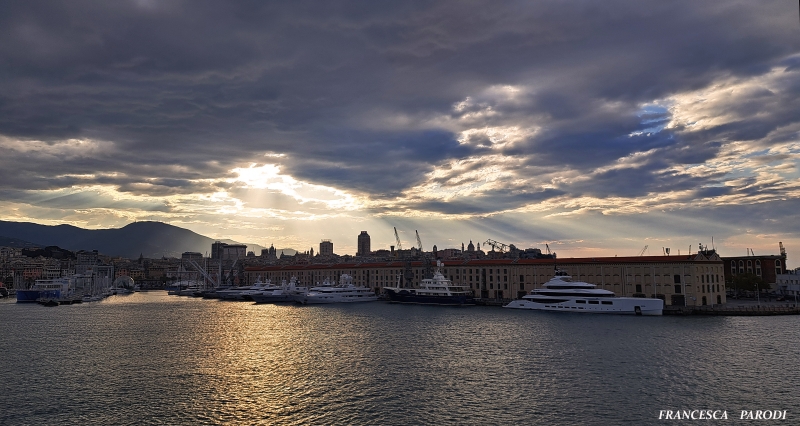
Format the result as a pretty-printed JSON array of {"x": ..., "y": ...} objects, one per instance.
[
  {"x": 342, "y": 293},
  {"x": 564, "y": 295},
  {"x": 285, "y": 293}
]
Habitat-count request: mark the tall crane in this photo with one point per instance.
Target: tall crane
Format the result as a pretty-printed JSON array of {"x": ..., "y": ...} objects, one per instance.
[
  {"x": 641, "y": 253},
  {"x": 496, "y": 245},
  {"x": 408, "y": 273},
  {"x": 428, "y": 271},
  {"x": 397, "y": 238}
]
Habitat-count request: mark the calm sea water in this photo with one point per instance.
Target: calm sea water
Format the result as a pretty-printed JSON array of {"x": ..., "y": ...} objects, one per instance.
[{"x": 150, "y": 358}]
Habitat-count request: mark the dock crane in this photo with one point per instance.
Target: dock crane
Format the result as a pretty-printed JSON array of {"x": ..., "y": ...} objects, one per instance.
[
  {"x": 428, "y": 271},
  {"x": 408, "y": 273},
  {"x": 496, "y": 245},
  {"x": 397, "y": 238}
]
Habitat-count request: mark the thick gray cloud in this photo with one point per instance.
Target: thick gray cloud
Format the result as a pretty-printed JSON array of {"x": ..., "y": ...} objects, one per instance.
[{"x": 355, "y": 93}]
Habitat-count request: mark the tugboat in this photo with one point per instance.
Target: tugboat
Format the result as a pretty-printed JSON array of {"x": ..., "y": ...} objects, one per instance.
[{"x": 432, "y": 291}]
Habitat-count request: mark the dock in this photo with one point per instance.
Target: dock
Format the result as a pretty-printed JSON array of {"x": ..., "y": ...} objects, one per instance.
[{"x": 766, "y": 309}]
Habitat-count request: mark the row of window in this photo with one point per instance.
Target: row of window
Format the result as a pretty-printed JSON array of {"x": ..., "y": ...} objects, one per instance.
[{"x": 741, "y": 268}]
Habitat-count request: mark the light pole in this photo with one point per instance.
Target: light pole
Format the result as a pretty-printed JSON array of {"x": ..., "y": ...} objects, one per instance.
[{"x": 758, "y": 296}]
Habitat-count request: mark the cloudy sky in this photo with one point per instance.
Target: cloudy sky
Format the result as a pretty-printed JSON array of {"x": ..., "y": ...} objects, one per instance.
[{"x": 594, "y": 127}]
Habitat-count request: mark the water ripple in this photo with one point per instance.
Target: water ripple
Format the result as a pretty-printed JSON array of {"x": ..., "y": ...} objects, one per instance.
[{"x": 150, "y": 358}]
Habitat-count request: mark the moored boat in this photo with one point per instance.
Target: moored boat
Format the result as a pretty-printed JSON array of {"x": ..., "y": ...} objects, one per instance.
[
  {"x": 432, "y": 291},
  {"x": 286, "y": 293},
  {"x": 345, "y": 292},
  {"x": 562, "y": 294},
  {"x": 46, "y": 289}
]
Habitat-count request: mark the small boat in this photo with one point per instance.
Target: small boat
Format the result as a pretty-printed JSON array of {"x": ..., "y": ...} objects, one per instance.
[
  {"x": 49, "y": 302},
  {"x": 432, "y": 291},
  {"x": 562, "y": 294}
]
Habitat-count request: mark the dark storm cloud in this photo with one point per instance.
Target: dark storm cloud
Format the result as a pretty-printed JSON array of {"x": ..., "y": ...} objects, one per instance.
[
  {"x": 211, "y": 85},
  {"x": 483, "y": 204}
]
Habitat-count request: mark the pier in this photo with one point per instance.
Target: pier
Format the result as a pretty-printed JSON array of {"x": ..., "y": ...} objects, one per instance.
[{"x": 736, "y": 309}]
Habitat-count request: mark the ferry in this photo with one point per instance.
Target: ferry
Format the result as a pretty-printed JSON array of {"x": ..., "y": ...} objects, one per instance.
[
  {"x": 432, "y": 291},
  {"x": 46, "y": 289},
  {"x": 562, "y": 294}
]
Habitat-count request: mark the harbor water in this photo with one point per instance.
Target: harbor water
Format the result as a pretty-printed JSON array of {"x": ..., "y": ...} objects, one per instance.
[{"x": 150, "y": 358}]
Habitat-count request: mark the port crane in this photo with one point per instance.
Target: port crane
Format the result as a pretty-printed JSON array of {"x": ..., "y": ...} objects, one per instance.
[
  {"x": 408, "y": 273},
  {"x": 496, "y": 245},
  {"x": 203, "y": 272},
  {"x": 428, "y": 271},
  {"x": 397, "y": 238}
]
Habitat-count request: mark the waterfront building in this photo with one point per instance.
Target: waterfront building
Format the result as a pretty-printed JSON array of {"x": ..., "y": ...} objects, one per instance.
[
  {"x": 766, "y": 267},
  {"x": 788, "y": 285},
  {"x": 688, "y": 280},
  {"x": 363, "y": 244}
]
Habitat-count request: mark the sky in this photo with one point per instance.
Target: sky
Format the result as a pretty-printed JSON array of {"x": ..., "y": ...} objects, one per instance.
[{"x": 592, "y": 128}]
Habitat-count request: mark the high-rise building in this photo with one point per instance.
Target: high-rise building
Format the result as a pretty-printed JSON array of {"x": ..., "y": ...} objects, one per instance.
[
  {"x": 216, "y": 250},
  {"x": 363, "y": 244},
  {"x": 86, "y": 261},
  {"x": 223, "y": 251},
  {"x": 234, "y": 251},
  {"x": 326, "y": 248}
]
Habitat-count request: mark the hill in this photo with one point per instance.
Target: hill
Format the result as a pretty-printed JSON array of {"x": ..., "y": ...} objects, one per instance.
[
  {"x": 16, "y": 243},
  {"x": 150, "y": 239}
]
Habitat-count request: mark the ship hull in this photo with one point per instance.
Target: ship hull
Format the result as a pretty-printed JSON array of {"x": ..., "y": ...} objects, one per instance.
[
  {"x": 621, "y": 305},
  {"x": 31, "y": 296},
  {"x": 405, "y": 296},
  {"x": 273, "y": 298}
]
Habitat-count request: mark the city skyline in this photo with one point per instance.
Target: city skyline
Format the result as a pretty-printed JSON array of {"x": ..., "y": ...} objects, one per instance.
[{"x": 597, "y": 129}]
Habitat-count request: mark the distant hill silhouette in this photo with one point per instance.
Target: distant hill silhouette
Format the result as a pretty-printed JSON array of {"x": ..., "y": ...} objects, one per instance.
[
  {"x": 16, "y": 243},
  {"x": 150, "y": 239}
]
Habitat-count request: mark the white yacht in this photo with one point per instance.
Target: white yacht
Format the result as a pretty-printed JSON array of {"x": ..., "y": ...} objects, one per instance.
[
  {"x": 285, "y": 293},
  {"x": 343, "y": 293},
  {"x": 564, "y": 295},
  {"x": 246, "y": 292}
]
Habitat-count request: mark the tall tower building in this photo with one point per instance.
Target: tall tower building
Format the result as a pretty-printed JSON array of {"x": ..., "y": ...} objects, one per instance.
[
  {"x": 326, "y": 248},
  {"x": 217, "y": 249},
  {"x": 363, "y": 244}
]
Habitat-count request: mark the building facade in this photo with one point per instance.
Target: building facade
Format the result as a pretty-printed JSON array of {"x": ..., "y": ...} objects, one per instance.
[
  {"x": 690, "y": 280},
  {"x": 768, "y": 267},
  {"x": 787, "y": 285}
]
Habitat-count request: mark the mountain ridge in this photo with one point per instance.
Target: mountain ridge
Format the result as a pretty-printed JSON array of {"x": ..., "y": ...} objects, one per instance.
[{"x": 149, "y": 239}]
